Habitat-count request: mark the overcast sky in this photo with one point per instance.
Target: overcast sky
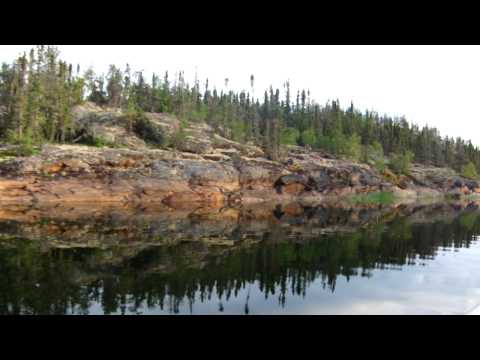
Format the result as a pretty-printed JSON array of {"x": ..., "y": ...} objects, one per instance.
[{"x": 435, "y": 85}]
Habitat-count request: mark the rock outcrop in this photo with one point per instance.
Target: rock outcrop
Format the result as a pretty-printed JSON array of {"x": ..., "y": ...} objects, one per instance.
[
  {"x": 74, "y": 173},
  {"x": 204, "y": 169}
]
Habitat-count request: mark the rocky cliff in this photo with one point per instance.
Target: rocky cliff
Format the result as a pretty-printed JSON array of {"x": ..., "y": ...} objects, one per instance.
[{"x": 204, "y": 169}]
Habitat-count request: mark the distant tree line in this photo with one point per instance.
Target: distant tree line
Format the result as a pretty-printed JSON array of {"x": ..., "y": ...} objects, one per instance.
[{"x": 38, "y": 91}]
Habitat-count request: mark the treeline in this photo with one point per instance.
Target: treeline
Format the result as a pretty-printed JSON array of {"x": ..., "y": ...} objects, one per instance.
[{"x": 38, "y": 91}]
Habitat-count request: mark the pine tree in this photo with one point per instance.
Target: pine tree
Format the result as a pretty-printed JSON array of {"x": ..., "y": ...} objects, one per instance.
[
  {"x": 114, "y": 87},
  {"x": 18, "y": 92}
]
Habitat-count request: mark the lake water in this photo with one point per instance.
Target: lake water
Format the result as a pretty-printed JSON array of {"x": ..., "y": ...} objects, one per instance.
[{"x": 424, "y": 260}]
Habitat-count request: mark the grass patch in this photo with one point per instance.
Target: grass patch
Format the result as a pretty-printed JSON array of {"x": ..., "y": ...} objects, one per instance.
[
  {"x": 97, "y": 141},
  {"x": 21, "y": 150},
  {"x": 374, "y": 198}
]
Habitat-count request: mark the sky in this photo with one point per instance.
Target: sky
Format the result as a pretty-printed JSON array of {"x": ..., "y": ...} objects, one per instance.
[{"x": 434, "y": 85}]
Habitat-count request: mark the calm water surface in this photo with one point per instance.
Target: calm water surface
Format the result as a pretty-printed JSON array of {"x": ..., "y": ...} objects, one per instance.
[{"x": 312, "y": 261}]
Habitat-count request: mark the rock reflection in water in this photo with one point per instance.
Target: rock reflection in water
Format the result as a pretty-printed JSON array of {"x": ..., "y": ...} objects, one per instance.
[{"x": 108, "y": 260}]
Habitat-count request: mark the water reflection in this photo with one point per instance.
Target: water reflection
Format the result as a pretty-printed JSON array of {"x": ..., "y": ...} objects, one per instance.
[{"x": 288, "y": 260}]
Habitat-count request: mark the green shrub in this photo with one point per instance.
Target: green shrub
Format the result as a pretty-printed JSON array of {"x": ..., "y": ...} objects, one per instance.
[
  {"x": 469, "y": 171},
  {"x": 309, "y": 137},
  {"x": 25, "y": 145},
  {"x": 27, "y": 150},
  {"x": 238, "y": 131},
  {"x": 289, "y": 136},
  {"x": 21, "y": 150},
  {"x": 352, "y": 148},
  {"x": 373, "y": 155},
  {"x": 400, "y": 163},
  {"x": 198, "y": 115},
  {"x": 326, "y": 143},
  {"x": 379, "y": 165},
  {"x": 146, "y": 130},
  {"x": 374, "y": 198},
  {"x": 88, "y": 137},
  {"x": 98, "y": 141},
  {"x": 177, "y": 138},
  {"x": 339, "y": 144}
]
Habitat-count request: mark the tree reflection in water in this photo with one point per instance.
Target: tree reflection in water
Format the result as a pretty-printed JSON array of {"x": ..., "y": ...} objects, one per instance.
[{"x": 55, "y": 280}]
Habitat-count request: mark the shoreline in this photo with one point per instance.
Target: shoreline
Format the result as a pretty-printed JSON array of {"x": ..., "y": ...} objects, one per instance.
[{"x": 72, "y": 174}]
